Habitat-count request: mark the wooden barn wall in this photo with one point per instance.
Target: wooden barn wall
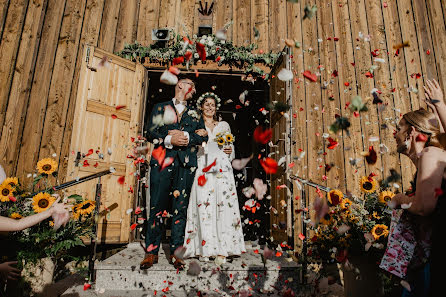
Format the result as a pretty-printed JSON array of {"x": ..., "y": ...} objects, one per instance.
[{"x": 41, "y": 42}]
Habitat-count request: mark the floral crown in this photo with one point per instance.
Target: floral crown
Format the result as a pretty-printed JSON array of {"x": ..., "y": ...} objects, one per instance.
[{"x": 209, "y": 95}]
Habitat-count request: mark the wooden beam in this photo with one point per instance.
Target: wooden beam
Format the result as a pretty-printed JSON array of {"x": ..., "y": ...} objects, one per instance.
[
  {"x": 127, "y": 24},
  {"x": 109, "y": 23},
  {"x": 148, "y": 19}
]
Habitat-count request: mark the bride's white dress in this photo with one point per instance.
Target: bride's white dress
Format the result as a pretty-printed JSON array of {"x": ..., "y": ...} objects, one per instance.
[{"x": 213, "y": 217}]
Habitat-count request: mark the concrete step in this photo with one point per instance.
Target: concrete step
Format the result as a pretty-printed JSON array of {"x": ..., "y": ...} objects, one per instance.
[{"x": 245, "y": 273}]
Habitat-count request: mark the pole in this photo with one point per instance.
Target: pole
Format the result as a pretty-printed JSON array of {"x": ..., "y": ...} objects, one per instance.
[
  {"x": 304, "y": 242},
  {"x": 94, "y": 238}
]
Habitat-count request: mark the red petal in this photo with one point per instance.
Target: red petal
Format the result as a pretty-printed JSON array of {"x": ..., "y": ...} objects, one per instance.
[
  {"x": 372, "y": 157},
  {"x": 12, "y": 198},
  {"x": 262, "y": 136},
  {"x": 121, "y": 180},
  {"x": 269, "y": 165},
  {"x": 174, "y": 70},
  {"x": 310, "y": 76},
  {"x": 118, "y": 107},
  {"x": 151, "y": 247},
  {"x": 114, "y": 116},
  {"x": 203, "y": 242},
  {"x": 86, "y": 164},
  {"x": 206, "y": 169},
  {"x": 188, "y": 55},
  {"x": 202, "y": 180},
  {"x": 87, "y": 286},
  {"x": 133, "y": 226},
  {"x": 159, "y": 154},
  {"x": 90, "y": 151},
  {"x": 333, "y": 143},
  {"x": 201, "y": 51},
  {"x": 178, "y": 60},
  {"x": 438, "y": 192},
  {"x": 421, "y": 138}
]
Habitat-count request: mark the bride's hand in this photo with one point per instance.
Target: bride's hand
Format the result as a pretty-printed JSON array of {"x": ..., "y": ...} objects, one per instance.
[
  {"x": 201, "y": 132},
  {"x": 228, "y": 150}
]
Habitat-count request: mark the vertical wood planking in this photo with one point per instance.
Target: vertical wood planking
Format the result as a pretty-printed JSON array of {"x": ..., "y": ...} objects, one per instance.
[
  {"x": 294, "y": 19},
  {"x": 186, "y": 25},
  {"x": 4, "y": 4},
  {"x": 242, "y": 26},
  {"x": 353, "y": 143},
  {"x": 399, "y": 99},
  {"x": 362, "y": 56},
  {"x": 315, "y": 143},
  {"x": 35, "y": 115},
  {"x": 277, "y": 24},
  {"x": 147, "y": 20},
  {"x": 167, "y": 14},
  {"x": 384, "y": 84},
  {"x": 109, "y": 24},
  {"x": 438, "y": 30},
  {"x": 223, "y": 14},
  {"x": 9, "y": 45},
  {"x": 21, "y": 85},
  {"x": 127, "y": 24},
  {"x": 89, "y": 35},
  {"x": 330, "y": 89},
  {"x": 63, "y": 75},
  {"x": 259, "y": 19}
]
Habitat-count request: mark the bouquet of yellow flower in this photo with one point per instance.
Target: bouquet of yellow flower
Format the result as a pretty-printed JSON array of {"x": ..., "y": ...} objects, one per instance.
[
  {"x": 42, "y": 240},
  {"x": 352, "y": 225},
  {"x": 224, "y": 138}
]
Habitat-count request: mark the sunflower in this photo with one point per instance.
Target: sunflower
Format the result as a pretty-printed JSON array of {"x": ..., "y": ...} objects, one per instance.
[
  {"x": 368, "y": 184},
  {"x": 380, "y": 230},
  {"x": 5, "y": 192},
  {"x": 85, "y": 207},
  {"x": 229, "y": 138},
  {"x": 335, "y": 197},
  {"x": 375, "y": 215},
  {"x": 47, "y": 166},
  {"x": 75, "y": 214},
  {"x": 346, "y": 203},
  {"x": 353, "y": 218},
  {"x": 385, "y": 196},
  {"x": 12, "y": 181},
  {"x": 16, "y": 216},
  {"x": 220, "y": 141},
  {"x": 42, "y": 202},
  {"x": 326, "y": 219}
]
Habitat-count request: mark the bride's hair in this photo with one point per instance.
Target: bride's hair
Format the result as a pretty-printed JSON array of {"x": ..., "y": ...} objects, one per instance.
[
  {"x": 426, "y": 122},
  {"x": 202, "y": 99}
]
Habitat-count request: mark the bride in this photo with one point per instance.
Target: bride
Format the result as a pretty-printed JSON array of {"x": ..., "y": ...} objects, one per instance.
[{"x": 213, "y": 227}]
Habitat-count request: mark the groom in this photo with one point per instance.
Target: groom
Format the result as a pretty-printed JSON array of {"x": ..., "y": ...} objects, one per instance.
[{"x": 174, "y": 182}]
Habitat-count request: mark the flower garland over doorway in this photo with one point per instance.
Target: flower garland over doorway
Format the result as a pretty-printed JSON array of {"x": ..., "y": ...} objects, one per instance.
[{"x": 185, "y": 51}]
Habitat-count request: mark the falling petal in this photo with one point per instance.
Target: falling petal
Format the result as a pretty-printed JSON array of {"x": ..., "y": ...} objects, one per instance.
[
  {"x": 285, "y": 75},
  {"x": 168, "y": 78}
]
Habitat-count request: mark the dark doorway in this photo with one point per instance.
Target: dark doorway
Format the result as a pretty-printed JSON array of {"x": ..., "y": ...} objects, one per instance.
[{"x": 243, "y": 119}]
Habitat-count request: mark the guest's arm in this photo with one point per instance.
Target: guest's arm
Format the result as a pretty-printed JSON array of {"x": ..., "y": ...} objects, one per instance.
[{"x": 431, "y": 167}]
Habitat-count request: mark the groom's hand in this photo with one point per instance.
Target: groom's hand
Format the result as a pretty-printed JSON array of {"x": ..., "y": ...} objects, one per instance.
[
  {"x": 201, "y": 132},
  {"x": 179, "y": 139},
  {"x": 173, "y": 132}
]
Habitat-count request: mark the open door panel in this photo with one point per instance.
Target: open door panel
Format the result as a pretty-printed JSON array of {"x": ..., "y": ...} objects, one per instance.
[
  {"x": 281, "y": 197},
  {"x": 106, "y": 122}
]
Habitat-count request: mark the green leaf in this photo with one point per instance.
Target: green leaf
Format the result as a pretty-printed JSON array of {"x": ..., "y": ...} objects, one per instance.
[
  {"x": 77, "y": 197},
  {"x": 37, "y": 179},
  {"x": 357, "y": 104}
]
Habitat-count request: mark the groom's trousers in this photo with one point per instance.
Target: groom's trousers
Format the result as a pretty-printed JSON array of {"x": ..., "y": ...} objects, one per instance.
[{"x": 163, "y": 184}]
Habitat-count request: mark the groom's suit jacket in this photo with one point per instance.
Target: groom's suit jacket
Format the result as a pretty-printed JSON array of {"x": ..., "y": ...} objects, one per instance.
[{"x": 185, "y": 122}]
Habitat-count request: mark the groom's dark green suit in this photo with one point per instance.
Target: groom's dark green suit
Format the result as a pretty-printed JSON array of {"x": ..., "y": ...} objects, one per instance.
[{"x": 178, "y": 176}]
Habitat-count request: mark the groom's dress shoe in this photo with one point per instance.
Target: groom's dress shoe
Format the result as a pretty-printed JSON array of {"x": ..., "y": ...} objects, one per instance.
[
  {"x": 148, "y": 261},
  {"x": 177, "y": 262}
]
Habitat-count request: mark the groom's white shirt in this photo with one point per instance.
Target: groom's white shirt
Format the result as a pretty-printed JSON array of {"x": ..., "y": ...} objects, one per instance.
[{"x": 168, "y": 140}]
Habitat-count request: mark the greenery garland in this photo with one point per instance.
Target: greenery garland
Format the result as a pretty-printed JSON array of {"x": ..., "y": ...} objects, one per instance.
[{"x": 221, "y": 51}]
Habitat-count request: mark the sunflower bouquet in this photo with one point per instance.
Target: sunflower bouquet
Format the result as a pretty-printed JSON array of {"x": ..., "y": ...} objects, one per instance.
[
  {"x": 352, "y": 225},
  {"x": 43, "y": 240},
  {"x": 224, "y": 138}
]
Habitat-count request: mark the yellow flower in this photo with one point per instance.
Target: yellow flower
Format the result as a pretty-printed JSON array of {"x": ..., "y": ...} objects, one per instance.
[
  {"x": 220, "y": 141},
  {"x": 42, "y": 202},
  {"x": 5, "y": 192},
  {"x": 385, "y": 196},
  {"x": 47, "y": 166},
  {"x": 16, "y": 216},
  {"x": 51, "y": 223},
  {"x": 380, "y": 230},
  {"x": 335, "y": 197},
  {"x": 375, "y": 215},
  {"x": 12, "y": 181},
  {"x": 346, "y": 203},
  {"x": 85, "y": 207},
  {"x": 368, "y": 185},
  {"x": 353, "y": 218},
  {"x": 326, "y": 220},
  {"x": 229, "y": 138}
]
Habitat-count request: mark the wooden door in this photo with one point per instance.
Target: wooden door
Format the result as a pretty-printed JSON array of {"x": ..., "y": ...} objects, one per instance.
[
  {"x": 106, "y": 121},
  {"x": 281, "y": 197}
]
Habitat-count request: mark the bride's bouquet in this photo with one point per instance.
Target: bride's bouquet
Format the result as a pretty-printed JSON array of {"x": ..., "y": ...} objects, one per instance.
[{"x": 224, "y": 138}]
